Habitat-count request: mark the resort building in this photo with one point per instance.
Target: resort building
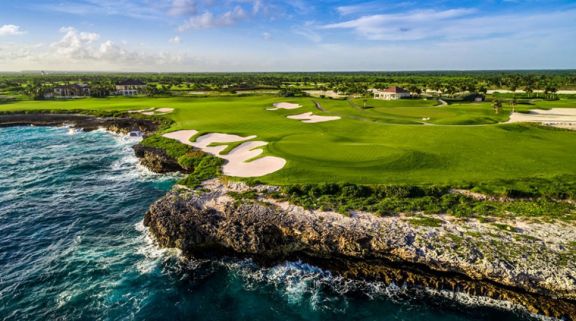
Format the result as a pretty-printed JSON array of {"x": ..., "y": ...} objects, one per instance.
[
  {"x": 391, "y": 93},
  {"x": 130, "y": 87},
  {"x": 75, "y": 90}
]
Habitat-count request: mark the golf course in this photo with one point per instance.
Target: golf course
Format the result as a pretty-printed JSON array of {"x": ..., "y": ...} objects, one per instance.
[{"x": 363, "y": 141}]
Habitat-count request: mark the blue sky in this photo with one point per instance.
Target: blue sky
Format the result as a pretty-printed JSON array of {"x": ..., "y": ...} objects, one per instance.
[{"x": 282, "y": 35}]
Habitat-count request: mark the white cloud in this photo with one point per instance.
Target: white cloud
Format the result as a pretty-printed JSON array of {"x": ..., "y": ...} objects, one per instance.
[
  {"x": 370, "y": 7},
  {"x": 210, "y": 20},
  {"x": 74, "y": 44},
  {"x": 80, "y": 49},
  {"x": 175, "y": 40},
  {"x": 183, "y": 7},
  {"x": 266, "y": 36},
  {"x": 308, "y": 31},
  {"x": 139, "y": 9},
  {"x": 10, "y": 30},
  {"x": 457, "y": 24},
  {"x": 403, "y": 26},
  {"x": 192, "y": 14}
]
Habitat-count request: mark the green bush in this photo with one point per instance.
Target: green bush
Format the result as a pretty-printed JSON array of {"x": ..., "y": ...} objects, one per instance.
[
  {"x": 173, "y": 148},
  {"x": 433, "y": 199},
  {"x": 203, "y": 166},
  {"x": 191, "y": 159}
]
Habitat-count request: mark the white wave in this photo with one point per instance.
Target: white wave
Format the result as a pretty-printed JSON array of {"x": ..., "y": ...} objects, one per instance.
[
  {"x": 152, "y": 254},
  {"x": 482, "y": 301},
  {"x": 301, "y": 283}
]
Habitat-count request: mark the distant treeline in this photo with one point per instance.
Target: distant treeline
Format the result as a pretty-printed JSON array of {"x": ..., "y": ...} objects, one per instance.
[{"x": 345, "y": 82}]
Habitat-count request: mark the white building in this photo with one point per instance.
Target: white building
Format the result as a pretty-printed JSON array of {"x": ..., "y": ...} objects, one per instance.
[
  {"x": 130, "y": 87},
  {"x": 391, "y": 93}
]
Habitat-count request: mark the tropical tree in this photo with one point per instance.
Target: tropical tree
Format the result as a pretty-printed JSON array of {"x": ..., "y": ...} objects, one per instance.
[{"x": 497, "y": 106}]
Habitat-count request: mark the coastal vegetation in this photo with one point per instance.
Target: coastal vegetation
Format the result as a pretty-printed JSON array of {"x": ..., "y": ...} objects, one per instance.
[{"x": 552, "y": 200}]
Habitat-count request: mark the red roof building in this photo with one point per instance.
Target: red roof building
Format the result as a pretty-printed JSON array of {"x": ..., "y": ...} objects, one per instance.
[{"x": 391, "y": 93}]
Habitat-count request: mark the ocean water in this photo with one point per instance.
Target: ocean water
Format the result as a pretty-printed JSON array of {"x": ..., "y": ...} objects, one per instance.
[{"x": 73, "y": 247}]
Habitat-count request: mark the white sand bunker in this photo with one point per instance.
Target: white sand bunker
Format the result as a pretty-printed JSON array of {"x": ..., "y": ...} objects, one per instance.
[
  {"x": 310, "y": 118},
  {"x": 278, "y": 106},
  {"x": 153, "y": 111},
  {"x": 556, "y": 117},
  {"x": 240, "y": 160}
]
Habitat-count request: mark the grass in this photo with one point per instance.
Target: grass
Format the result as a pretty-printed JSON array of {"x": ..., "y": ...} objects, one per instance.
[{"x": 386, "y": 144}]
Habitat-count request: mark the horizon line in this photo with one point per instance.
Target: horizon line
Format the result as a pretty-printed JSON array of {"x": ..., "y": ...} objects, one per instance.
[{"x": 280, "y": 71}]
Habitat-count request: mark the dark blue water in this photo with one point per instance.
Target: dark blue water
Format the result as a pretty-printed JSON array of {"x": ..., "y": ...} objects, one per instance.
[{"x": 72, "y": 247}]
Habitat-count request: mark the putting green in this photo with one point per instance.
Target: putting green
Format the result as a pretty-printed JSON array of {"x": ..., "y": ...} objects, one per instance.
[{"x": 387, "y": 142}]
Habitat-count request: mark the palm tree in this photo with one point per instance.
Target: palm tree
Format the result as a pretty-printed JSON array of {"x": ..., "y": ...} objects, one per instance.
[
  {"x": 528, "y": 90},
  {"x": 497, "y": 106},
  {"x": 513, "y": 103}
]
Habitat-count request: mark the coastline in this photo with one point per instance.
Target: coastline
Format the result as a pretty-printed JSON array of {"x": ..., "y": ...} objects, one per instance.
[
  {"x": 355, "y": 257},
  {"x": 387, "y": 249}
]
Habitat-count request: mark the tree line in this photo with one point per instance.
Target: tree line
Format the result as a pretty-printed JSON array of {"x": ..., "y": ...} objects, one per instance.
[{"x": 446, "y": 82}]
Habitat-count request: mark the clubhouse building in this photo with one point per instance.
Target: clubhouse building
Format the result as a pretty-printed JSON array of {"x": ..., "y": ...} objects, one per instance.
[
  {"x": 69, "y": 91},
  {"x": 391, "y": 93},
  {"x": 130, "y": 87}
]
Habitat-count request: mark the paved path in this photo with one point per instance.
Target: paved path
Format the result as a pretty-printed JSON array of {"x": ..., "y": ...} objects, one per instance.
[{"x": 318, "y": 106}]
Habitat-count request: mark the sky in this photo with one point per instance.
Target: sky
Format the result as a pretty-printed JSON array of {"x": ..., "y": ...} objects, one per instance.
[{"x": 286, "y": 35}]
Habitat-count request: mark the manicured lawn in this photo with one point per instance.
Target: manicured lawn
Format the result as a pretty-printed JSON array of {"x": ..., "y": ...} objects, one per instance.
[{"x": 387, "y": 143}]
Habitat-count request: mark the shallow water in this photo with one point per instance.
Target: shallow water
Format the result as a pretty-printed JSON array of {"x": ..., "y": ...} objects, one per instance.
[{"x": 72, "y": 247}]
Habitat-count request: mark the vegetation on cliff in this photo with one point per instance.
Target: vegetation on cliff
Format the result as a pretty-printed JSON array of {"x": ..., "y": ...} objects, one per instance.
[
  {"x": 200, "y": 165},
  {"x": 528, "y": 198}
]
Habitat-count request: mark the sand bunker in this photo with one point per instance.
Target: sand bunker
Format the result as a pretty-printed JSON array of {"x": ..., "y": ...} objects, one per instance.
[
  {"x": 240, "y": 160},
  {"x": 278, "y": 106},
  {"x": 310, "y": 118},
  {"x": 153, "y": 111},
  {"x": 556, "y": 117}
]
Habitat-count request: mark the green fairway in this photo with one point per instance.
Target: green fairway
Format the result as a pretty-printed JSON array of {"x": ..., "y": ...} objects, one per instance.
[{"x": 409, "y": 141}]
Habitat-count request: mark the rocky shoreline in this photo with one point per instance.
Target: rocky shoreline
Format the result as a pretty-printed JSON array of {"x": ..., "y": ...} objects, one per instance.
[
  {"x": 462, "y": 256},
  {"x": 533, "y": 267},
  {"x": 121, "y": 125},
  {"x": 153, "y": 158}
]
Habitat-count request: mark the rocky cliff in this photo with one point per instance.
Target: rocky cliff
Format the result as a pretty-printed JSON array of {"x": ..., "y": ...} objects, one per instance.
[
  {"x": 527, "y": 268},
  {"x": 154, "y": 159},
  {"x": 122, "y": 125}
]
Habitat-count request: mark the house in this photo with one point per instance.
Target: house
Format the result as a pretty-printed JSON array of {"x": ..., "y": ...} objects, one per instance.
[
  {"x": 391, "y": 93},
  {"x": 130, "y": 87},
  {"x": 74, "y": 90}
]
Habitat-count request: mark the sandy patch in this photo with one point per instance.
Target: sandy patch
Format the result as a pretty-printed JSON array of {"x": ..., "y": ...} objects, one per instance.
[
  {"x": 288, "y": 106},
  {"x": 164, "y": 110},
  {"x": 153, "y": 111},
  {"x": 556, "y": 117},
  {"x": 239, "y": 160},
  {"x": 325, "y": 93},
  {"x": 182, "y": 136},
  {"x": 310, "y": 118},
  {"x": 203, "y": 142},
  {"x": 506, "y": 91},
  {"x": 141, "y": 110},
  {"x": 239, "y": 164}
]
